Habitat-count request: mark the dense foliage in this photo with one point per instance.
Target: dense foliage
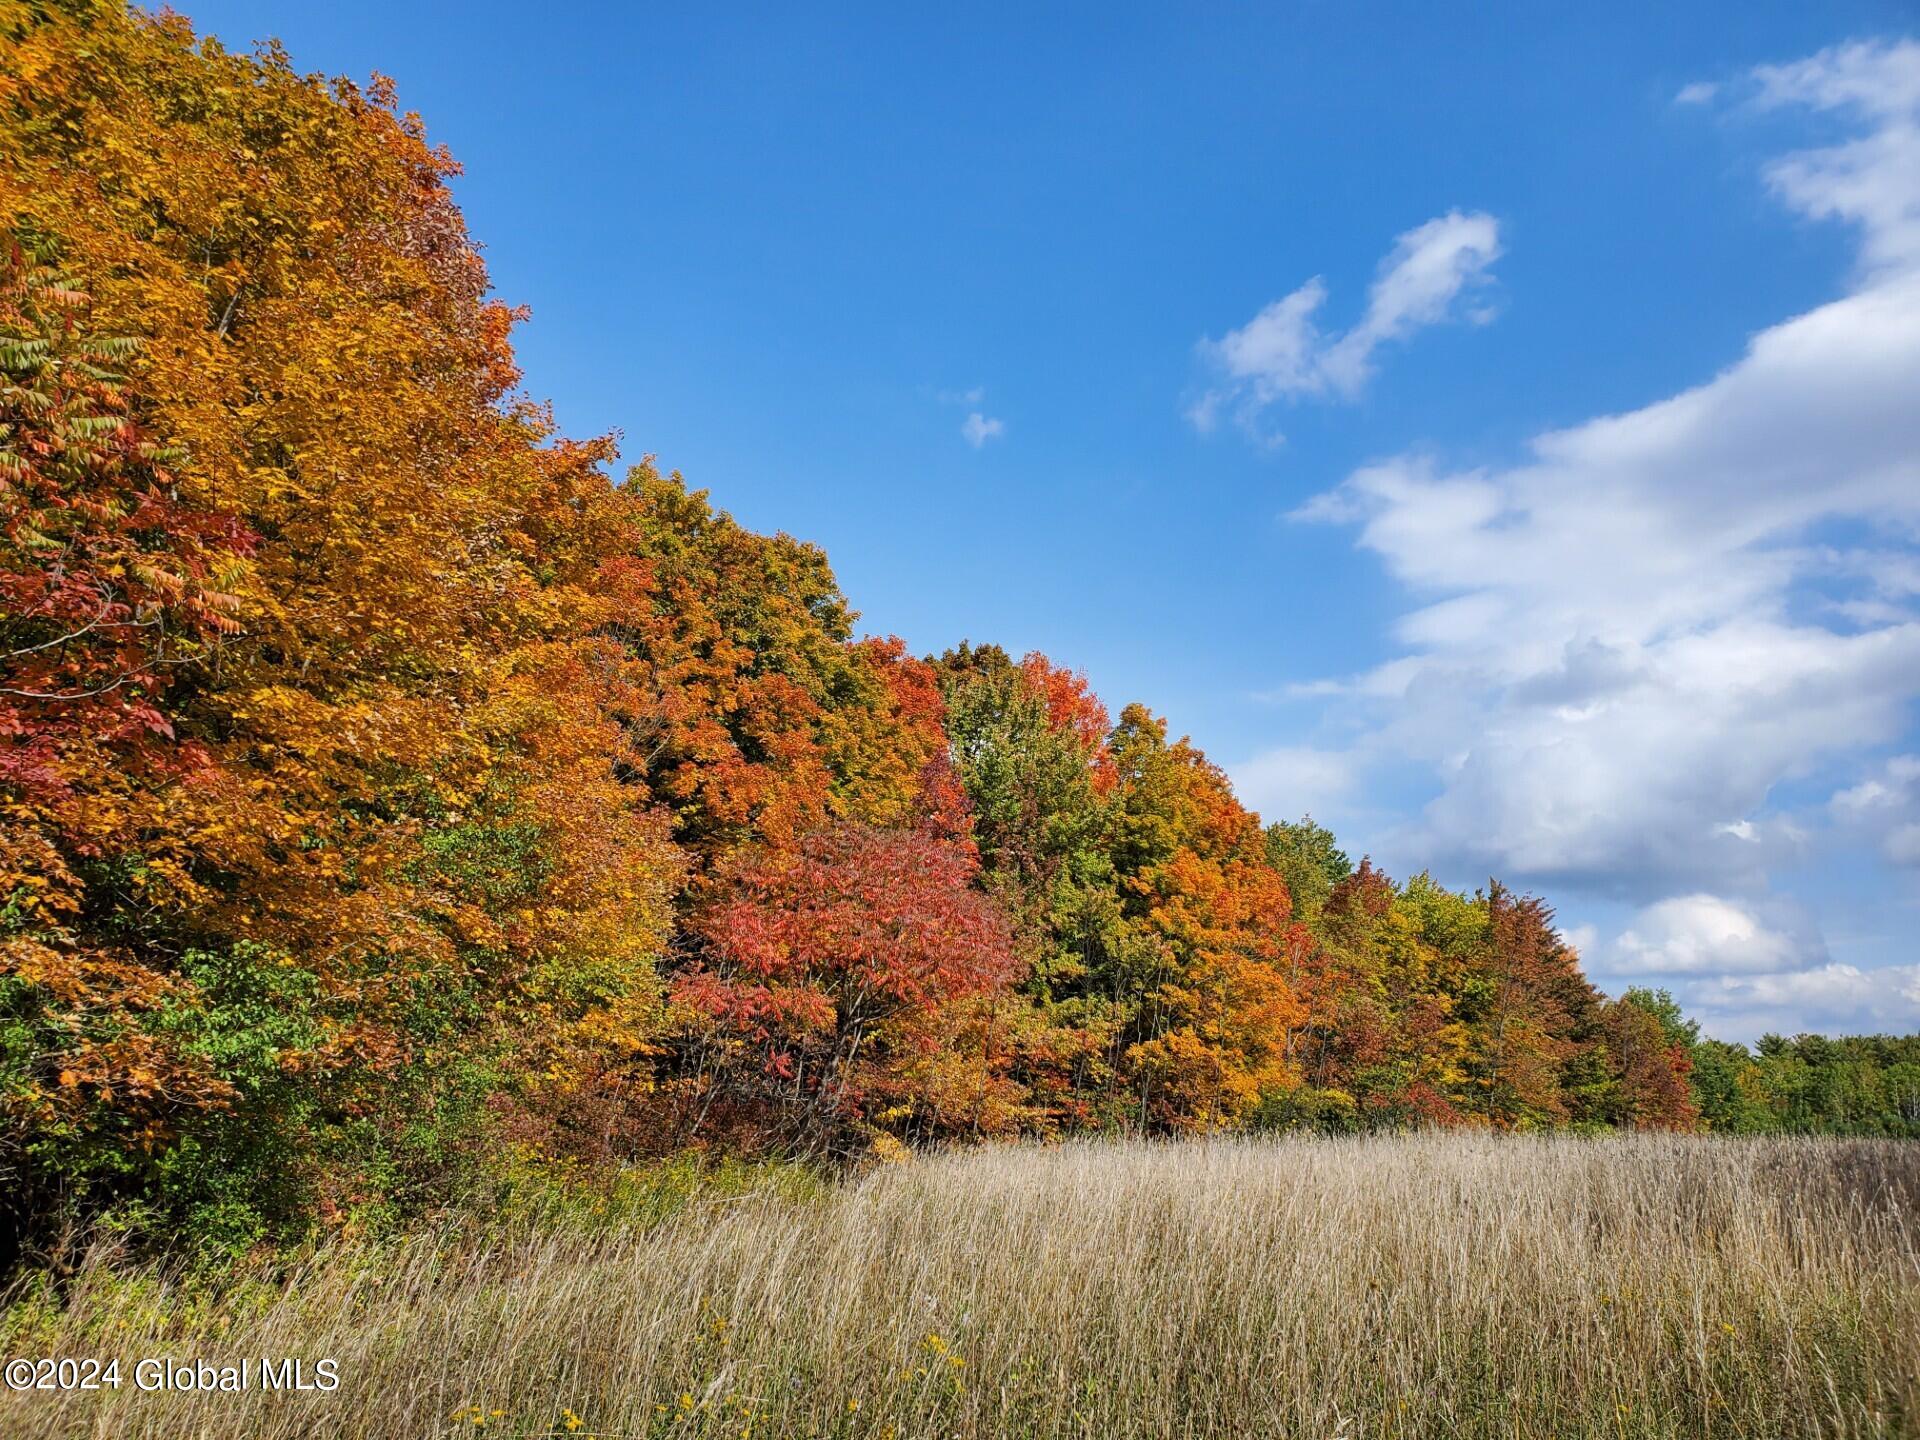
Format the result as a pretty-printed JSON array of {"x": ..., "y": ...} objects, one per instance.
[{"x": 394, "y": 802}]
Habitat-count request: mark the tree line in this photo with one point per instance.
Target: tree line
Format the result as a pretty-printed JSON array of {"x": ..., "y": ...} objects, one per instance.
[{"x": 394, "y": 798}]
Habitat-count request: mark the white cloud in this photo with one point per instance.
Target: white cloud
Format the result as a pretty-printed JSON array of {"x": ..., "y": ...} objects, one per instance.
[
  {"x": 1282, "y": 354},
  {"x": 1879, "y": 80},
  {"x": 1829, "y": 999},
  {"x": 1611, "y": 668},
  {"x": 1705, "y": 935},
  {"x": 1581, "y": 939},
  {"x": 1743, "y": 969},
  {"x": 1869, "y": 180},
  {"x": 1700, "y": 92},
  {"x": 1294, "y": 780},
  {"x": 978, "y": 429},
  {"x": 1204, "y": 413},
  {"x": 1429, "y": 268},
  {"x": 1886, "y": 807},
  {"x": 1278, "y": 351}
]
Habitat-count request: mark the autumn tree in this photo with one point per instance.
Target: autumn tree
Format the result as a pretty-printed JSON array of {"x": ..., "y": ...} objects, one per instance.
[
  {"x": 297, "y": 569},
  {"x": 1029, "y": 744},
  {"x": 1649, "y": 1046},
  {"x": 766, "y": 718},
  {"x": 1382, "y": 1045},
  {"x": 109, "y": 589},
  {"x": 830, "y": 974},
  {"x": 1213, "y": 1035},
  {"x": 1533, "y": 1017},
  {"x": 1309, "y": 860}
]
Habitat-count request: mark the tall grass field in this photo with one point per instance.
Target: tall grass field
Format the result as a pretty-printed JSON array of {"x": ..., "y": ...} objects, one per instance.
[{"x": 1431, "y": 1285}]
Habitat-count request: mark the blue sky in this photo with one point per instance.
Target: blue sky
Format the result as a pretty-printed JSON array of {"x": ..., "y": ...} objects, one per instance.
[{"x": 1260, "y": 364}]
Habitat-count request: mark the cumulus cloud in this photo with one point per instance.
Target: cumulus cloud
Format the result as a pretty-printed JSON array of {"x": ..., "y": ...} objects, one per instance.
[
  {"x": 978, "y": 429},
  {"x": 1609, "y": 673},
  {"x": 1744, "y": 968},
  {"x": 1625, "y": 645},
  {"x": 1869, "y": 180},
  {"x": 1281, "y": 353},
  {"x": 1886, "y": 806},
  {"x": 1831, "y": 999},
  {"x": 1288, "y": 781},
  {"x": 1706, "y": 935}
]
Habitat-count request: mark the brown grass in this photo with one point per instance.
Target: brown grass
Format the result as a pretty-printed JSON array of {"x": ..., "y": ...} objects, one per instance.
[{"x": 1439, "y": 1285}]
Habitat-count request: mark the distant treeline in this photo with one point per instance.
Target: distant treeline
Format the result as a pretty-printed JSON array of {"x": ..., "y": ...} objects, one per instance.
[
  {"x": 396, "y": 803},
  {"x": 1860, "y": 1085}
]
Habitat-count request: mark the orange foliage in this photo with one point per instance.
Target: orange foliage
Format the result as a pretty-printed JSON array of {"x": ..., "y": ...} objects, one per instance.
[
  {"x": 765, "y": 719},
  {"x": 1073, "y": 709},
  {"x": 338, "y": 623},
  {"x": 1224, "y": 1014}
]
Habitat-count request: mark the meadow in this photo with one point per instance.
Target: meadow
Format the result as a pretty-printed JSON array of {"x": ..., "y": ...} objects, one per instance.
[{"x": 1422, "y": 1285}]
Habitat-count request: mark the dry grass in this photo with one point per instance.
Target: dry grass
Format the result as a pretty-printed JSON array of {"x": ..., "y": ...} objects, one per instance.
[{"x": 1424, "y": 1286}]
